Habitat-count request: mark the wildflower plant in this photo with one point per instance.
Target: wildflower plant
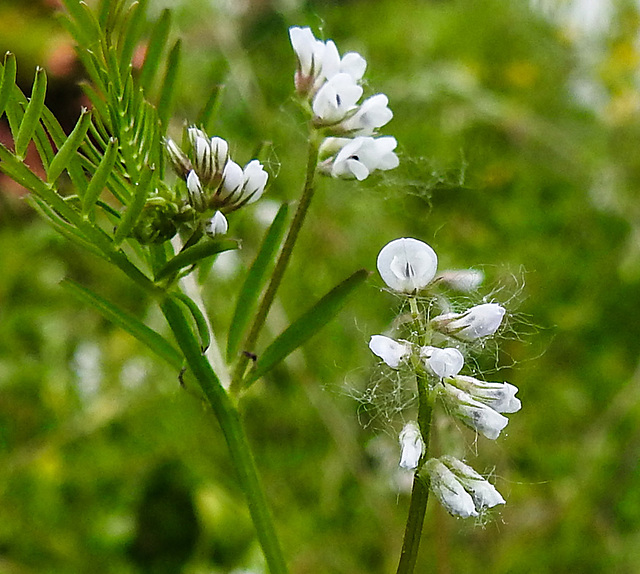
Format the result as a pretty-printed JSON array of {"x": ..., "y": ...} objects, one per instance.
[
  {"x": 433, "y": 355},
  {"x": 121, "y": 186}
]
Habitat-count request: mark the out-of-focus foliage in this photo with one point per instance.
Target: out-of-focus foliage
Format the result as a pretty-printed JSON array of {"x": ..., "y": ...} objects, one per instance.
[{"x": 518, "y": 127}]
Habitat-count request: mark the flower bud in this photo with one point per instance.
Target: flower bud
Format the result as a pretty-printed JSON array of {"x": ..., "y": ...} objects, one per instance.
[
  {"x": 478, "y": 322},
  {"x": 255, "y": 179},
  {"x": 484, "y": 494},
  {"x": 407, "y": 265},
  {"x": 217, "y": 225},
  {"x": 390, "y": 351},
  {"x": 179, "y": 161},
  {"x": 448, "y": 490},
  {"x": 442, "y": 362},
  {"x": 412, "y": 446}
]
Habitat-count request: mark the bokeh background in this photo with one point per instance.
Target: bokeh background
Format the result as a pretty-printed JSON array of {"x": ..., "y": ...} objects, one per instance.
[{"x": 519, "y": 127}]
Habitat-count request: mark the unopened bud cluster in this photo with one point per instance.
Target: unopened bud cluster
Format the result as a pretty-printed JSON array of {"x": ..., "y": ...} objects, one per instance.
[
  {"x": 409, "y": 266},
  {"x": 331, "y": 86},
  {"x": 215, "y": 184}
]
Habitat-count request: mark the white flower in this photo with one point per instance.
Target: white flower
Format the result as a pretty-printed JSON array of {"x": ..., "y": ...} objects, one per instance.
[
  {"x": 336, "y": 99},
  {"x": 475, "y": 323},
  {"x": 442, "y": 362},
  {"x": 217, "y": 225},
  {"x": 232, "y": 180},
  {"x": 241, "y": 186},
  {"x": 373, "y": 113},
  {"x": 448, "y": 490},
  {"x": 195, "y": 191},
  {"x": 360, "y": 156},
  {"x": 484, "y": 494},
  {"x": 319, "y": 61},
  {"x": 472, "y": 413},
  {"x": 390, "y": 351},
  {"x": 463, "y": 280},
  {"x": 407, "y": 265},
  {"x": 412, "y": 446},
  {"x": 255, "y": 180},
  {"x": 501, "y": 397}
]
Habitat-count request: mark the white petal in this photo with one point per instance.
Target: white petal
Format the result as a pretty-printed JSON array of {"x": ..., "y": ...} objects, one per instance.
[
  {"x": 463, "y": 280},
  {"x": 336, "y": 98},
  {"x": 217, "y": 225},
  {"x": 443, "y": 362},
  {"x": 407, "y": 265},
  {"x": 479, "y": 321},
  {"x": 353, "y": 64},
  {"x": 412, "y": 446},
  {"x": 472, "y": 413},
  {"x": 232, "y": 180},
  {"x": 390, "y": 351},
  {"x": 501, "y": 397}
]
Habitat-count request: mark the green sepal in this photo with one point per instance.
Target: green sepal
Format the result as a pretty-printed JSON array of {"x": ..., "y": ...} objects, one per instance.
[
  {"x": 306, "y": 326},
  {"x": 198, "y": 316},
  {"x": 254, "y": 282},
  {"x": 194, "y": 254},
  {"x": 154, "y": 341},
  {"x": 32, "y": 114},
  {"x": 66, "y": 153}
]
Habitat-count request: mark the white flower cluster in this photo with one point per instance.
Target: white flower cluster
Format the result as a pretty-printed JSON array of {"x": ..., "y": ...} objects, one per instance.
[
  {"x": 408, "y": 266},
  {"x": 214, "y": 181},
  {"x": 331, "y": 84}
]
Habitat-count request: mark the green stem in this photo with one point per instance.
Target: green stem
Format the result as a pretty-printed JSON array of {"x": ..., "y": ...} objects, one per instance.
[
  {"x": 280, "y": 266},
  {"x": 420, "y": 490},
  {"x": 229, "y": 419}
]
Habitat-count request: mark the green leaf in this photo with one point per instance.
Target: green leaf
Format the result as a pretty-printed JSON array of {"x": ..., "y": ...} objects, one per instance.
[
  {"x": 100, "y": 177},
  {"x": 65, "y": 154},
  {"x": 32, "y": 113},
  {"x": 82, "y": 25},
  {"x": 254, "y": 282},
  {"x": 207, "y": 115},
  {"x": 198, "y": 316},
  {"x": 8, "y": 80},
  {"x": 134, "y": 209},
  {"x": 192, "y": 255},
  {"x": 167, "y": 93},
  {"x": 306, "y": 326},
  {"x": 156, "y": 46},
  {"x": 154, "y": 341},
  {"x": 135, "y": 21}
]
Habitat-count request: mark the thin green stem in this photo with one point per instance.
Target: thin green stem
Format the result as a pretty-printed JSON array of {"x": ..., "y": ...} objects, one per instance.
[
  {"x": 229, "y": 419},
  {"x": 280, "y": 266},
  {"x": 420, "y": 490}
]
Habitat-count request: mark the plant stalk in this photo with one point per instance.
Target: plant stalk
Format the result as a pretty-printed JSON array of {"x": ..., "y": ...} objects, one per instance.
[
  {"x": 280, "y": 266},
  {"x": 229, "y": 419}
]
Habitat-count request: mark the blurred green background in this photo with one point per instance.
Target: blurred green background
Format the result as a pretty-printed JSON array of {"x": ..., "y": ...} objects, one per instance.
[{"x": 518, "y": 126}]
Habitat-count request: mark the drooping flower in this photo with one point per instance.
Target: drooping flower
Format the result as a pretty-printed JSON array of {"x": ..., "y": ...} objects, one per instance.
[
  {"x": 448, "y": 490},
  {"x": 484, "y": 494},
  {"x": 442, "y": 362},
  {"x": 217, "y": 225},
  {"x": 407, "y": 265},
  {"x": 360, "y": 156},
  {"x": 501, "y": 397},
  {"x": 390, "y": 351},
  {"x": 372, "y": 114},
  {"x": 473, "y": 413},
  {"x": 475, "y": 323},
  {"x": 412, "y": 446}
]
